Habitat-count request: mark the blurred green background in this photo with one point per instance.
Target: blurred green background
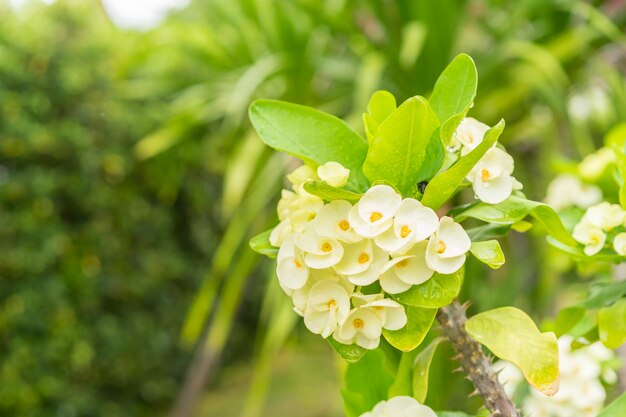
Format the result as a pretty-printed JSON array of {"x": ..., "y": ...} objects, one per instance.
[{"x": 130, "y": 183}]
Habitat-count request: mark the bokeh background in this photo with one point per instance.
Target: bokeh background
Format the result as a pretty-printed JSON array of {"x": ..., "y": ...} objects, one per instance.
[{"x": 131, "y": 181}]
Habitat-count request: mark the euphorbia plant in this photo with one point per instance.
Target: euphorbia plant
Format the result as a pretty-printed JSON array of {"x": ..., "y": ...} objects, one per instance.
[{"x": 371, "y": 248}]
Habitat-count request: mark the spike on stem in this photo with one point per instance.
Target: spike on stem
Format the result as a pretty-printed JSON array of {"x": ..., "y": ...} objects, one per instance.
[{"x": 473, "y": 360}]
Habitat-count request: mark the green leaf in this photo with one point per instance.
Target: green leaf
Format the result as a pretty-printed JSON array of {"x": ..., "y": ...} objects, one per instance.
[
  {"x": 514, "y": 209},
  {"x": 604, "y": 294},
  {"x": 452, "y": 414},
  {"x": 612, "y": 324},
  {"x": 616, "y": 409},
  {"x": 380, "y": 106},
  {"x": 488, "y": 231},
  {"x": 350, "y": 353},
  {"x": 311, "y": 135},
  {"x": 488, "y": 252},
  {"x": 329, "y": 193},
  {"x": 397, "y": 154},
  {"x": 422, "y": 368},
  {"x": 567, "y": 319},
  {"x": 420, "y": 320},
  {"x": 402, "y": 384},
  {"x": 454, "y": 94},
  {"x": 366, "y": 383},
  {"x": 511, "y": 335},
  {"x": 437, "y": 292},
  {"x": 455, "y": 89},
  {"x": 261, "y": 244},
  {"x": 444, "y": 185}
]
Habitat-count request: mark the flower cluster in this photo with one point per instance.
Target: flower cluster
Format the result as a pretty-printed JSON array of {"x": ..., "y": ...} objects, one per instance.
[
  {"x": 581, "y": 393},
  {"x": 329, "y": 251},
  {"x": 602, "y": 225},
  {"x": 492, "y": 177},
  {"x": 402, "y": 406},
  {"x": 567, "y": 190}
]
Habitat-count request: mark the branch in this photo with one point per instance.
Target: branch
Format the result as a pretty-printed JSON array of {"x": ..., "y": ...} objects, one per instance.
[{"x": 452, "y": 319}]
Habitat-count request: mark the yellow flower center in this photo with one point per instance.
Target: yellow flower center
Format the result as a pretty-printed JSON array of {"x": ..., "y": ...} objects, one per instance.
[
  {"x": 375, "y": 216},
  {"x": 364, "y": 257},
  {"x": 331, "y": 303},
  {"x": 402, "y": 263},
  {"x": 327, "y": 247},
  {"x": 441, "y": 248},
  {"x": 358, "y": 323},
  {"x": 312, "y": 216},
  {"x": 404, "y": 232},
  {"x": 297, "y": 264},
  {"x": 485, "y": 175},
  {"x": 344, "y": 225}
]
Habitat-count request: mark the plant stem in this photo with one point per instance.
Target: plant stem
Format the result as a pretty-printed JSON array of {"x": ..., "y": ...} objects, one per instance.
[{"x": 452, "y": 319}]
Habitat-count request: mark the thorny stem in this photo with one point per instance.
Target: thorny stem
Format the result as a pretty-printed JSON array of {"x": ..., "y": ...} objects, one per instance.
[{"x": 452, "y": 319}]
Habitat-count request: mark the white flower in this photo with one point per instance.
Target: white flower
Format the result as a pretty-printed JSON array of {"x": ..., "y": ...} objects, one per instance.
[
  {"x": 402, "y": 272},
  {"x": 402, "y": 406},
  {"x": 589, "y": 235},
  {"x": 300, "y": 297},
  {"x": 374, "y": 212},
  {"x": 332, "y": 221},
  {"x": 287, "y": 204},
  {"x": 304, "y": 211},
  {"x": 391, "y": 313},
  {"x": 568, "y": 190},
  {"x": 413, "y": 222},
  {"x": 328, "y": 306},
  {"x": 290, "y": 266},
  {"x": 447, "y": 247},
  {"x": 280, "y": 232},
  {"x": 619, "y": 244},
  {"x": 470, "y": 134},
  {"x": 363, "y": 327},
  {"x": 319, "y": 251},
  {"x": 362, "y": 262},
  {"x": 594, "y": 165},
  {"x": 605, "y": 216},
  {"x": 333, "y": 173},
  {"x": 491, "y": 177}
]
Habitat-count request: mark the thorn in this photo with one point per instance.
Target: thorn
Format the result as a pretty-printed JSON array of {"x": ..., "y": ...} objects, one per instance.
[
  {"x": 459, "y": 369},
  {"x": 474, "y": 393},
  {"x": 457, "y": 357},
  {"x": 467, "y": 304}
]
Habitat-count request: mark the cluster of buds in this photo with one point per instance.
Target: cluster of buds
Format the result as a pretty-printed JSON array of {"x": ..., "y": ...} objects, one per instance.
[
  {"x": 602, "y": 225},
  {"x": 492, "y": 177},
  {"x": 332, "y": 255},
  {"x": 581, "y": 393}
]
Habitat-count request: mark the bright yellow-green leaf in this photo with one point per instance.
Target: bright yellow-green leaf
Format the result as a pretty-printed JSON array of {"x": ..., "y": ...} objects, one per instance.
[
  {"x": 513, "y": 336},
  {"x": 612, "y": 324},
  {"x": 330, "y": 193},
  {"x": 261, "y": 244},
  {"x": 420, "y": 320},
  {"x": 311, "y": 135},
  {"x": 437, "y": 292},
  {"x": 488, "y": 252},
  {"x": 397, "y": 154},
  {"x": 380, "y": 106}
]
